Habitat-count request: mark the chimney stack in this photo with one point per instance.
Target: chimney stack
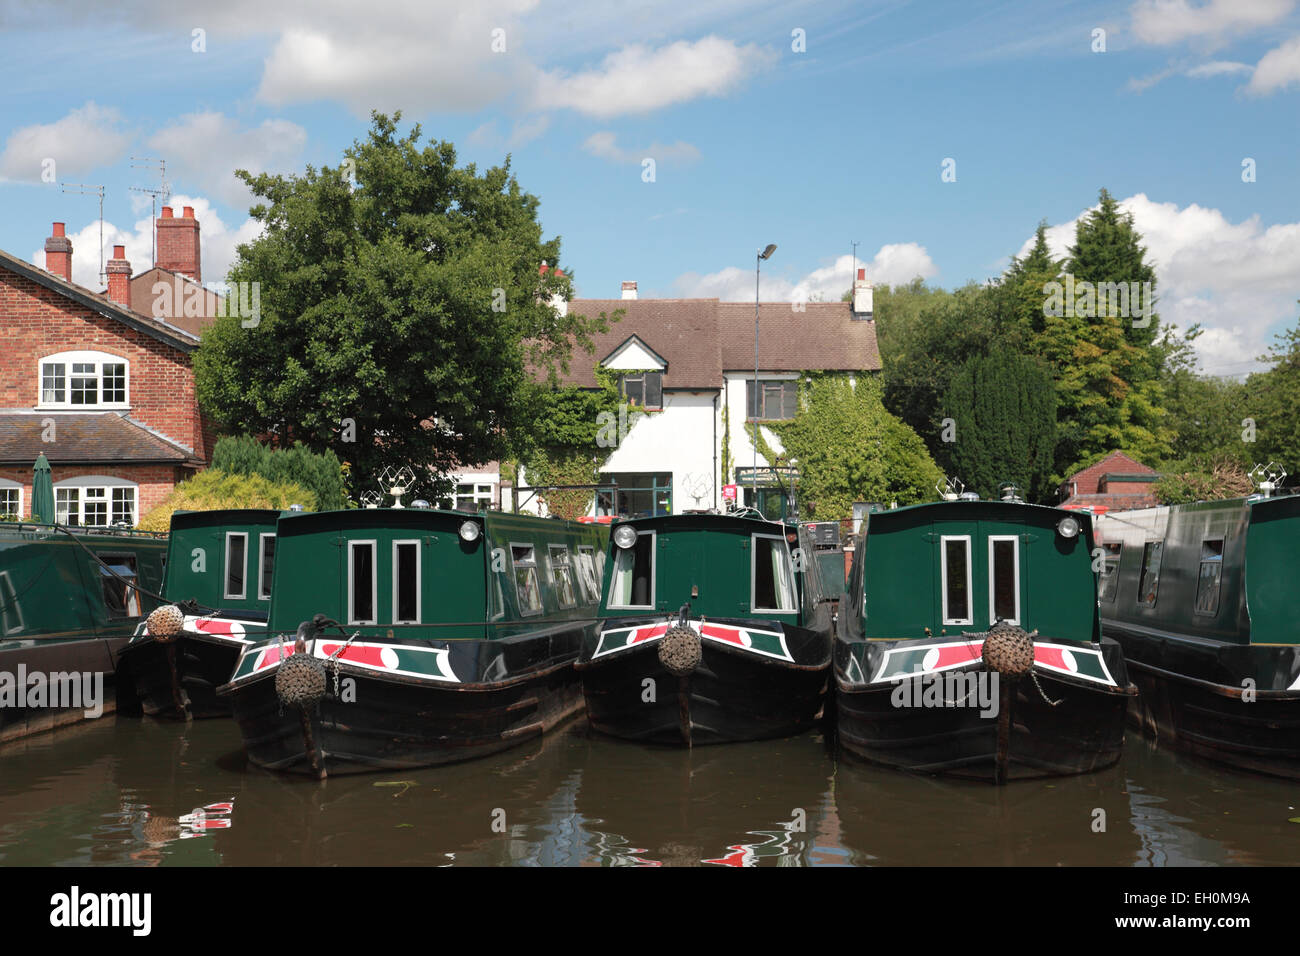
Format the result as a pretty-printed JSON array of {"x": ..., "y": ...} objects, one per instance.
[
  {"x": 178, "y": 242},
  {"x": 556, "y": 301},
  {"x": 119, "y": 277},
  {"x": 862, "y": 296},
  {"x": 629, "y": 290},
  {"x": 58, "y": 254}
]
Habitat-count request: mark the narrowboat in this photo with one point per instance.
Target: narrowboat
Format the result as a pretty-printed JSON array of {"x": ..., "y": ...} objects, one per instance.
[
  {"x": 969, "y": 644},
  {"x": 406, "y": 637},
  {"x": 219, "y": 566},
  {"x": 713, "y": 628},
  {"x": 69, "y": 601},
  {"x": 1201, "y": 597}
]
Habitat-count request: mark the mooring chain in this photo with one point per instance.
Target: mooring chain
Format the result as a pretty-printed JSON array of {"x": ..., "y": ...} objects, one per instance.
[
  {"x": 1042, "y": 693},
  {"x": 333, "y": 660}
]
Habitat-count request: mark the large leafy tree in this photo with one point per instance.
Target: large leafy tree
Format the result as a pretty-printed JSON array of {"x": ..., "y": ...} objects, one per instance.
[
  {"x": 403, "y": 317},
  {"x": 1270, "y": 399},
  {"x": 1004, "y": 408}
]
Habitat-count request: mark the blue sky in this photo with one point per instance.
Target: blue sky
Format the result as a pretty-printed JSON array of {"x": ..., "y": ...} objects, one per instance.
[{"x": 1038, "y": 104}]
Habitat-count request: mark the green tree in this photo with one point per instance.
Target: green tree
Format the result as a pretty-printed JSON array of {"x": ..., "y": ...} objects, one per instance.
[
  {"x": 1003, "y": 406},
  {"x": 1270, "y": 399},
  {"x": 321, "y": 473},
  {"x": 401, "y": 306},
  {"x": 849, "y": 448}
]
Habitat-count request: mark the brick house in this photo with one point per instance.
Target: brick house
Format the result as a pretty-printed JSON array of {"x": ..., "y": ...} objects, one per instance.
[
  {"x": 97, "y": 383},
  {"x": 1116, "y": 483}
]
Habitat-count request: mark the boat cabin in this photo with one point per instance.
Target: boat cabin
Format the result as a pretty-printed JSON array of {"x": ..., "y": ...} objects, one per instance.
[{"x": 223, "y": 560}]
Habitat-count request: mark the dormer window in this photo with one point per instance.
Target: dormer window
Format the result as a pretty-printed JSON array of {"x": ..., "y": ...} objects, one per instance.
[
  {"x": 645, "y": 389},
  {"x": 79, "y": 380}
]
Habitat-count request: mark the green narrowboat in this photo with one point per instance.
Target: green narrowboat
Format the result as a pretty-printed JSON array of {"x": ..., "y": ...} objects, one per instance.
[
  {"x": 714, "y": 628},
  {"x": 406, "y": 637},
  {"x": 1201, "y": 597},
  {"x": 950, "y": 604},
  {"x": 68, "y": 604},
  {"x": 219, "y": 582}
]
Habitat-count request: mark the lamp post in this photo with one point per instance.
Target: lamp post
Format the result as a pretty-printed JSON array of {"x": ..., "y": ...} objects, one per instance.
[{"x": 765, "y": 254}]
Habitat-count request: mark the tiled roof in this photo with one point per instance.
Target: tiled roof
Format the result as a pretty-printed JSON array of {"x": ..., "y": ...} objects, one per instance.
[
  {"x": 143, "y": 299},
  {"x": 702, "y": 338},
  {"x": 84, "y": 438}
]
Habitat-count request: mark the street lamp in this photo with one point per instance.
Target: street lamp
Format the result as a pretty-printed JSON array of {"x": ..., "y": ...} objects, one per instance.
[{"x": 765, "y": 254}]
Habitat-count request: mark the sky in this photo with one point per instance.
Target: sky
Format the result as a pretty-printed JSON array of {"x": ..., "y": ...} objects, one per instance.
[{"x": 669, "y": 142}]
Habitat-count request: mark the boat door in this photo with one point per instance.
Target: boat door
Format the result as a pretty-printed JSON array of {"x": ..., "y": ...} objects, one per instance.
[{"x": 983, "y": 574}]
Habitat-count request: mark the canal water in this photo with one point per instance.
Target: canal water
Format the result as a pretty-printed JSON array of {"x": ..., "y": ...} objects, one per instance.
[{"x": 126, "y": 792}]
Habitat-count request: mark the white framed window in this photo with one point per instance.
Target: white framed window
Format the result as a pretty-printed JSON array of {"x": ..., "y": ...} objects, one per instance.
[
  {"x": 11, "y": 498},
  {"x": 523, "y": 561},
  {"x": 1004, "y": 578},
  {"x": 588, "y": 581},
  {"x": 96, "y": 501},
  {"x": 633, "y": 583},
  {"x": 266, "y": 564},
  {"x": 236, "y": 565},
  {"x": 562, "y": 575},
  {"x": 955, "y": 578},
  {"x": 83, "y": 379},
  {"x": 406, "y": 582},
  {"x": 771, "y": 575},
  {"x": 121, "y": 599},
  {"x": 363, "y": 582}
]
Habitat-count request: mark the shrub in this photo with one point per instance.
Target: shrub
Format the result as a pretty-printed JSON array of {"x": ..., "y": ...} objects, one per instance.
[{"x": 214, "y": 489}]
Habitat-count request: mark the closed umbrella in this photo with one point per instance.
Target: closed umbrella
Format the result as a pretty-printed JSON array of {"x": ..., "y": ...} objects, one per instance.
[{"x": 42, "y": 491}]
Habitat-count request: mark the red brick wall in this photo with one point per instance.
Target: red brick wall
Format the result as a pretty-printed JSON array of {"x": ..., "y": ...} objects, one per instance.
[
  {"x": 155, "y": 481},
  {"x": 1127, "y": 488},
  {"x": 1086, "y": 481},
  {"x": 36, "y": 321}
]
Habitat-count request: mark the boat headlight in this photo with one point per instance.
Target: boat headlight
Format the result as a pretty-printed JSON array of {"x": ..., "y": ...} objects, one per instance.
[
  {"x": 625, "y": 536},
  {"x": 469, "y": 531},
  {"x": 420, "y": 503},
  {"x": 1067, "y": 527}
]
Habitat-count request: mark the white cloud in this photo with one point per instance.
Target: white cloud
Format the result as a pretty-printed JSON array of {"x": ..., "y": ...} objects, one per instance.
[
  {"x": 1277, "y": 69},
  {"x": 638, "y": 79},
  {"x": 1238, "y": 280},
  {"x": 1163, "y": 22},
  {"x": 87, "y": 138},
  {"x": 893, "y": 264},
  {"x": 218, "y": 243},
  {"x": 206, "y": 148},
  {"x": 1199, "y": 72},
  {"x": 605, "y": 146}
]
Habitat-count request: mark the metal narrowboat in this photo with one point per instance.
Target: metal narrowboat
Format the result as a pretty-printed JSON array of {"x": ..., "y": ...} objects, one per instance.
[
  {"x": 714, "y": 628},
  {"x": 969, "y": 644},
  {"x": 1202, "y": 598},
  {"x": 69, "y": 601},
  {"x": 219, "y": 567},
  {"x": 405, "y": 637}
]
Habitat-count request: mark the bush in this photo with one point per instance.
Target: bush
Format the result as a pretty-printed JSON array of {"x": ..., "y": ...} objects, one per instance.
[
  {"x": 321, "y": 474},
  {"x": 213, "y": 489}
]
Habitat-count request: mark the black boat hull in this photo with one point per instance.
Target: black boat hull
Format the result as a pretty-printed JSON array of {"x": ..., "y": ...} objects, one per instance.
[
  {"x": 179, "y": 678},
  {"x": 732, "y": 695},
  {"x": 1082, "y": 732}
]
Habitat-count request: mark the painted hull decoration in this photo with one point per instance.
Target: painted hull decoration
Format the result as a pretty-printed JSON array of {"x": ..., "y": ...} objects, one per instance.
[
  {"x": 67, "y": 607},
  {"x": 1202, "y": 598},
  {"x": 997, "y": 704},
  {"x": 440, "y": 637},
  {"x": 219, "y": 578},
  {"x": 747, "y": 657}
]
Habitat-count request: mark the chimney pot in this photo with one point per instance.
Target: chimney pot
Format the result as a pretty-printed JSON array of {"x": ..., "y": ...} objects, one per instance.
[
  {"x": 862, "y": 274},
  {"x": 58, "y": 253},
  {"x": 189, "y": 213},
  {"x": 59, "y": 228},
  {"x": 166, "y": 212},
  {"x": 119, "y": 252}
]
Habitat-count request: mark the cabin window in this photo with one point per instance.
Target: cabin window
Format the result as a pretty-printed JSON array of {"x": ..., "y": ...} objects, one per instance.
[
  {"x": 1149, "y": 583},
  {"x": 523, "y": 558},
  {"x": 120, "y": 599},
  {"x": 11, "y": 612},
  {"x": 1110, "y": 570},
  {"x": 562, "y": 575},
  {"x": 633, "y": 583},
  {"x": 362, "y": 582},
  {"x": 587, "y": 578},
  {"x": 236, "y": 563},
  {"x": 955, "y": 574},
  {"x": 1004, "y": 578},
  {"x": 267, "y": 564},
  {"x": 406, "y": 582},
  {"x": 1211, "y": 576},
  {"x": 772, "y": 577}
]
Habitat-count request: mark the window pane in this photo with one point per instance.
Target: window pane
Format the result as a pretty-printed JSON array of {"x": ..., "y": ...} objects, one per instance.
[
  {"x": 773, "y": 589},
  {"x": 236, "y": 560},
  {"x": 95, "y": 508},
  {"x": 408, "y": 584},
  {"x": 9, "y": 501},
  {"x": 363, "y": 583},
  {"x": 751, "y": 400},
  {"x": 633, "y": 574},
  {"x": 634, "y": 389},
  {"x": 529, "y": 593},
  {"x": 268, "y": 566},
  {"x": 85, "y": 384},
  {"x": 1207, "y": 585},
  {"x": 52, "y": 381},
  {"x": 115, "y": 382},
  {"x": 654, "y": 389},
  {"x": 956, "y": 597},
  {"x": 124, "y": 505},
  {"x": 1110, "y": 572},
  {"x": 1149, "y": 582},
  {"x": 119, "y": 599},
  {"x": 67, "y": 505},
  {"x": 1004, "y": 581},
  {"x": 790, "y": 400}
]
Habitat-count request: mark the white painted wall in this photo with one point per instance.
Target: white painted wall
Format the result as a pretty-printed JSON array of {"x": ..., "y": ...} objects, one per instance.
[
  {"x": 679, "y": 439},
  {"x": 741, "y": 448}
]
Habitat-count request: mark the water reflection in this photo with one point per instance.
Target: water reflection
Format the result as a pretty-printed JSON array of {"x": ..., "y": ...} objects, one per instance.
[{"x": 148, "y": 793}]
